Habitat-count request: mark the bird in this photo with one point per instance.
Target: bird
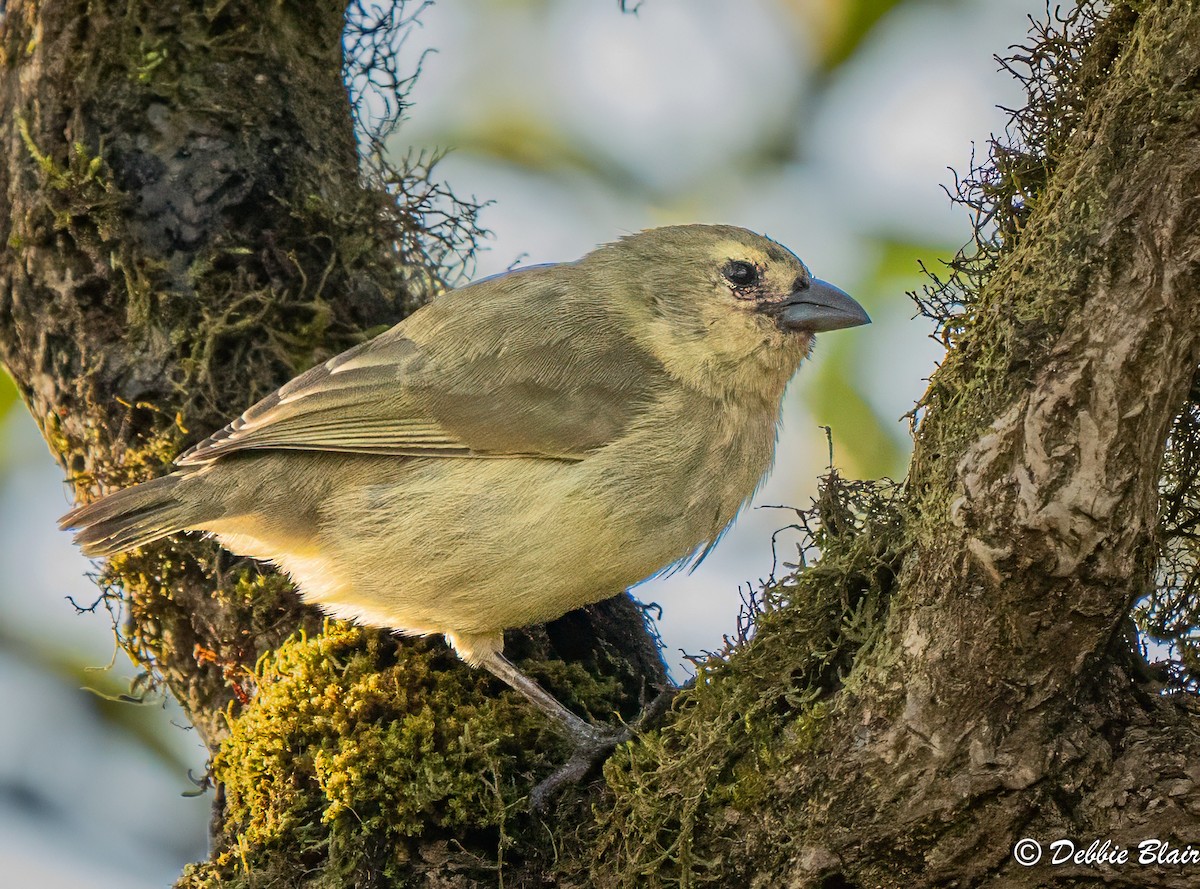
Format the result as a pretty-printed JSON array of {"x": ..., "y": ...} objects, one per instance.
[{"x": 518, "y": 447}]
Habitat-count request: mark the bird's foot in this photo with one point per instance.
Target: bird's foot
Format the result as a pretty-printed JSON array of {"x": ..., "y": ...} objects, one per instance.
[
  {"x": 591, "y": 749},
  {"x": 592, "y": 745}
]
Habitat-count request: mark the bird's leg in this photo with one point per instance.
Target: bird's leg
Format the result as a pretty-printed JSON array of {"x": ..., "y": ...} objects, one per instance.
[
  {"x": 582, "y": 733},
  {"x": 592, "y": 743}
]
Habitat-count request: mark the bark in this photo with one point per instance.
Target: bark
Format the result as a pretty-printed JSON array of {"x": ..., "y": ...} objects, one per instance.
[
  {"x": 152, "y": 158},
  {"x": 185, "y": 226}
]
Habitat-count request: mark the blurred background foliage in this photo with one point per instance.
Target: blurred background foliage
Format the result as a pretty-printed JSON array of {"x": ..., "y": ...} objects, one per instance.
[{"x": 827, "y": 124}]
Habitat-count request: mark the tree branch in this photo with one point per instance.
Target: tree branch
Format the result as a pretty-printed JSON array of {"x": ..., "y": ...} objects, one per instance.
[{"x": 993, "y": 697}]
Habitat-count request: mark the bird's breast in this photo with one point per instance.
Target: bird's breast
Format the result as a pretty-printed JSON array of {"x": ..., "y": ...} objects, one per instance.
[{"x": 677, "y": 481}]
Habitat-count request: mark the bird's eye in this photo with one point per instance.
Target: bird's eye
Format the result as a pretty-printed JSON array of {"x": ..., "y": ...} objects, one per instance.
[{"x": 740, "y": 274}]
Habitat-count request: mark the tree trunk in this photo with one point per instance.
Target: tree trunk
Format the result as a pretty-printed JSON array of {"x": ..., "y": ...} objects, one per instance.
[{"x": 188, "y": 227}]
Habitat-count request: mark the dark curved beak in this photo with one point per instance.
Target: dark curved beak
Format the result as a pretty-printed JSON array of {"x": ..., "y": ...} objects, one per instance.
[{"x": 818, "y": 307}]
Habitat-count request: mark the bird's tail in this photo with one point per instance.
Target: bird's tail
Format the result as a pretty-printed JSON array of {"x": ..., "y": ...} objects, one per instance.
[{"x": 129, "y": 518}]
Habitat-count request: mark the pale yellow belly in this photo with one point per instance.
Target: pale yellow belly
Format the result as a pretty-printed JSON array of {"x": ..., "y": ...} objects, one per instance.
[
  {"x": 466, "y": 546},
  {"x": 477, "y": 546}
]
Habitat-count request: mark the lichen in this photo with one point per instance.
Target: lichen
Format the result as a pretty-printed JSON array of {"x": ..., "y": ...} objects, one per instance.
[
  {"x": 681, "y": 797},
  {"x": 709, "y": 798},
  {"x": 259, "y": 303},
  {"x": 1061, "y": 67},
  {"x": 305, "y": 255},
  {"x": 350, "y": 759}
]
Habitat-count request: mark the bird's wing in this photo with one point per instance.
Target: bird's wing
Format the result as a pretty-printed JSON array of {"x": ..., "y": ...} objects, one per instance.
[{"x": 514, "y": 366}]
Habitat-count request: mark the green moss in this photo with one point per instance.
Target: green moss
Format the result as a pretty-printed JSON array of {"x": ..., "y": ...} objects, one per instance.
[
  {"x": 682, "y": 796},
  {"x": 82, "y": 187},
  {"x": 707, "y": 799},
  {"x": 331, "y": 253},
  {"x": 355, "y": 746},
  {"x": 151, "y": 60},
  {"x": 139, "y": 461}
]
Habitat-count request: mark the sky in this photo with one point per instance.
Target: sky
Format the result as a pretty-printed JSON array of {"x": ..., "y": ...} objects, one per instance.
[{"x": 576, "y": 124}]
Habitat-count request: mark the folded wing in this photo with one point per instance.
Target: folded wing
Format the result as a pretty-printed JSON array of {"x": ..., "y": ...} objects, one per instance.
[{"x": 520, "y": 365}]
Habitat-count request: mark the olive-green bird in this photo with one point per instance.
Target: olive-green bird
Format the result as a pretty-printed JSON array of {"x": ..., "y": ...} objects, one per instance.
[{"x": 519, "y": 447}]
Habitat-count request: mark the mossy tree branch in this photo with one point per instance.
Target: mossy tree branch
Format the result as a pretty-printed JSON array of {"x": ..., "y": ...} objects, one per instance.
[
  {"x": 954, "y": 674},
  {"x": 997, "y": 693}
]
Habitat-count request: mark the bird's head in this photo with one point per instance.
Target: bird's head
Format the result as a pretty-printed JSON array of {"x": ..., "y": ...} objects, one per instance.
[{"x": 722, "y": 306}]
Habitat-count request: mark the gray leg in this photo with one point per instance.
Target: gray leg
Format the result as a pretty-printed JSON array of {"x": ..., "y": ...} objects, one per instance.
[
  {"x": 582, "y": 733},
  {"x": 592, "y": 744}
]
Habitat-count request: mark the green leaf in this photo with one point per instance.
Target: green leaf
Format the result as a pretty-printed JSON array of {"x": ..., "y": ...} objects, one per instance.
[
  {"x": 847, "y": 25},
  {"x": 864, "y": 444}
]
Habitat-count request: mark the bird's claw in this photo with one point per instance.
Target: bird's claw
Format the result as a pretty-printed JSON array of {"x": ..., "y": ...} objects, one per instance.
[
  {"x": 590, "y": 750},
  {"x": 592, "y": 746}
]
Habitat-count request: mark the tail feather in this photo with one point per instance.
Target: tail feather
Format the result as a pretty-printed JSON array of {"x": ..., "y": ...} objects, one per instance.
[{"x": 129, "y": 518}]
